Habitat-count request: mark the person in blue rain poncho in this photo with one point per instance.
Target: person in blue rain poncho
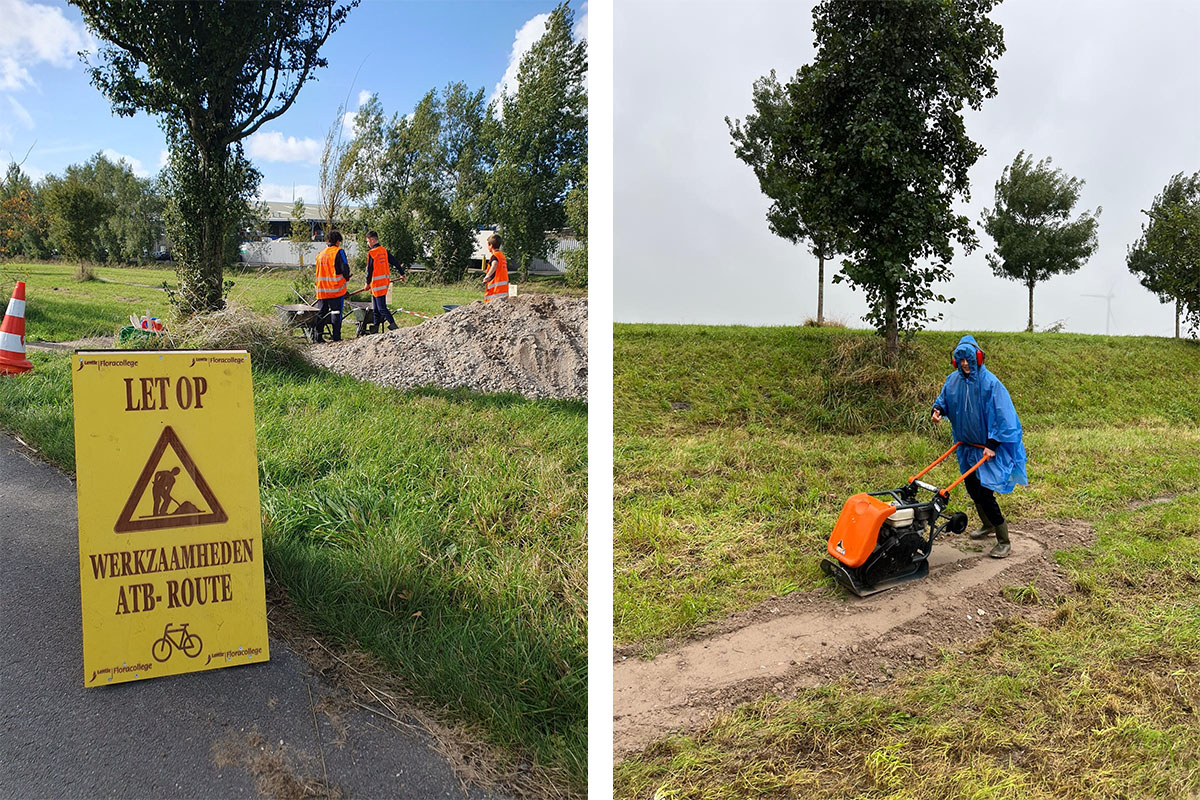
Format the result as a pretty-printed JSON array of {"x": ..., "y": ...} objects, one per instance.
[{"x": 983, "y": 418}]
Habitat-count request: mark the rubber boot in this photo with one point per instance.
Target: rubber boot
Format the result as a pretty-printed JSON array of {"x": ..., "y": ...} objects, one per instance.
[
  {"x": 986, "y": 529},
  {"x": 392, "y": 326},
  {"x": 1003, "y": 546}
]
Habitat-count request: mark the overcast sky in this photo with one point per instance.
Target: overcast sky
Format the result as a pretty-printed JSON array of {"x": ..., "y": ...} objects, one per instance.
[
  {"x": 399, "y": 50},
  {"x": 1109, "y": 90}
]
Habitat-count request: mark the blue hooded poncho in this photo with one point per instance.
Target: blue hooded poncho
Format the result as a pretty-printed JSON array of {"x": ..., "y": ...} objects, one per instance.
[{"x": 980, "y": 408}]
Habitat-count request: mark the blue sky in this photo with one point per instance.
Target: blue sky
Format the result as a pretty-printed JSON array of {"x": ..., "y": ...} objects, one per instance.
[{"x": 400, "y": 49}]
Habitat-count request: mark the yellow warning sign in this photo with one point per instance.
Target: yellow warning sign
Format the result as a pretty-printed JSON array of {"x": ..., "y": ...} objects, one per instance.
[{"x": 170, "y": 536}]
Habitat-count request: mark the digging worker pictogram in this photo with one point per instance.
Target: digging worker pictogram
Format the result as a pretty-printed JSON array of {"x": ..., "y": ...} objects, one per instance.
[
  {"x": 496, "y": 278},
  {"x": 379, "y": 263},
  {"x": 164, "y": 482},
  {"x": 981, "y": 410},
  {"x": 333, "y": 271}
]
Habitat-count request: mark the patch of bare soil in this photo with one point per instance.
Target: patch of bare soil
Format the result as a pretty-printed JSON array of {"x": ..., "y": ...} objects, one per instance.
[
  {"x": 93, "y": 343},
  {"x": 810, "y": 638},
  {"x": 277, "y": 774}
]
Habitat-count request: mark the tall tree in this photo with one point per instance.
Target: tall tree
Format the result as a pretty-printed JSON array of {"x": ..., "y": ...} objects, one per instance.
[
  {"x": 132, "y": 228},
  {"x": 334, "y": 175},
  {"x": 577, "y": 218},
  {"x": 1032, "y": 226},
  {"x": 214, "y": 71},
  {"x": 424, "y": 176},
  {"x": 24, "y": 224},
  {"x": 541, "y": 142},
  {"x": 1166, "y": 256},
  {"x": 300, "y": 234},
  {"x": 790, "y": 170},
  {"x": 76, "y": 213},
  {"x": 883, "y": 103}
]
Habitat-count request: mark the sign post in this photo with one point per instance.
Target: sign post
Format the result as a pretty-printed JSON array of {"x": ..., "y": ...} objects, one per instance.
[{"x": 170, "y": 533}]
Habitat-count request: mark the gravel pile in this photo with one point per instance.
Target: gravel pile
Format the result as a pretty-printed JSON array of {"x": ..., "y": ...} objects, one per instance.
[{"x": 535, "y": 345}]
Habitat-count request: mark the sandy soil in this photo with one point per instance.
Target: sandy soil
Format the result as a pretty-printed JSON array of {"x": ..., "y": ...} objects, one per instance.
[
  {"x": 810, "y": 638},
  {"x": 94, "y": 343},
  {"x": 535, "y": 345}
]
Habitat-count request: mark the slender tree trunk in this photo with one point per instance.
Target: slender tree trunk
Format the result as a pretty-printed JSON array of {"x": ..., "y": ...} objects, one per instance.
[
  {"x": 201, "y": 282},
  {"x": 1030, "y": 328},
  {"x": 1178, "y": 309},
  {"x": 525, "y": 267},
  {"x": 820, "y": 289},
  {"x": 891, "y": 331}
]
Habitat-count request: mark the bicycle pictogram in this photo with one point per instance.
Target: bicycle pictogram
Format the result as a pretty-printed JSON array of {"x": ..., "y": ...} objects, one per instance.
[{"x": 189, "y": 643}]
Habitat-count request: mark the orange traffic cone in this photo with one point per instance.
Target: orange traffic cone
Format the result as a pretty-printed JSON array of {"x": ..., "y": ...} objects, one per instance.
[{"x": 12, "y": 335}]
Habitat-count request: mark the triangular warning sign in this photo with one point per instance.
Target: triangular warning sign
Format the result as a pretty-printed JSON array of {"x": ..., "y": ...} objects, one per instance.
[{"x": 166, "y": 510}]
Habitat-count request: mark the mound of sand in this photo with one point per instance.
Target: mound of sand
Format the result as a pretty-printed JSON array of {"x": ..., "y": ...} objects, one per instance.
[{"x": 535, "y": 345}]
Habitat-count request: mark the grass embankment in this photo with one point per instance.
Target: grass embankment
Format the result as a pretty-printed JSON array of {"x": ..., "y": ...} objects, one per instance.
[
  {"x": 121, "y": 291},
  {"x": 729, "y": 501},
  {"x": 721, "y": 504},
  {"x": 443, "y": 532}
]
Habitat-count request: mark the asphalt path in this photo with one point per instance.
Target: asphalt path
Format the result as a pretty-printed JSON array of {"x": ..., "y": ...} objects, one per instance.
[{"x": 249, "y": 731}]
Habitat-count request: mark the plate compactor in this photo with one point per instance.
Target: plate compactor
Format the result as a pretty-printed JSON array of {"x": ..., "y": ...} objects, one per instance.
[{"x": 883, "y": 539}]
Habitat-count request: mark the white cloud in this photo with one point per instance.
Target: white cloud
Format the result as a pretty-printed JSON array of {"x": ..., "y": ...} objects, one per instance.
[
  {"x": 349, "y": 118},
  {"x": 34, "y": 33},
  {"x": 283, "y": 193},
  {"x": 581, "y": 24},
  {"x": 163, "y": 157},
  {"x": 20, "y": 113},
  {"x": 134, "y": 164},
  {"x": 273, "y": 146},
  {"x": 525, "y": 38}
]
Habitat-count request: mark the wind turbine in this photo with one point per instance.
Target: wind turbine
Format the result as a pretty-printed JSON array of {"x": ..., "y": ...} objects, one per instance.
[{"x": 1109, "y": 297}]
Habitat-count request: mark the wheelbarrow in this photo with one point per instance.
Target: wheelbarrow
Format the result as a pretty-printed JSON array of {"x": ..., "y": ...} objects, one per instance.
[
  {"x": 304, "y": 317},
  {"x": 364, "y": 317}
]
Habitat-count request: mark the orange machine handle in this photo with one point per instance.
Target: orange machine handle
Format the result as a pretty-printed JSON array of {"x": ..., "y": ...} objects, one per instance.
[
  {"x": 946, "y": 492},
  {"x": 945, "y": 455}
]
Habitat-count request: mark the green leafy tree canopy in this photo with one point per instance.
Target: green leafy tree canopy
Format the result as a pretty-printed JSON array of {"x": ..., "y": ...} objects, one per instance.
[
  {"x": 1035, "y": 236},
  {"x": 1166, "y": 257},
  {"x": 422, "y": 177},
  {"x": 541, "y": 140},
  {"x": 214, "y": 71},
  {"x": 883, "y": 104},
  {"x": 76, "y": 213},
  {"x": 790, "y": 168}
]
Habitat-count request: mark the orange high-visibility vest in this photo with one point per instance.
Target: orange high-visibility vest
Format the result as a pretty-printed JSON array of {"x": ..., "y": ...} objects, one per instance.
[
  {"x": 381, "y": 276},
  {"x": 498, "y": 285},
  {"x": 329, "y": 282}
]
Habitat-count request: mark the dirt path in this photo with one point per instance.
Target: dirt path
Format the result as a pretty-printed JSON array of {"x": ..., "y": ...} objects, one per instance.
[{"x": 804, "y": 640}]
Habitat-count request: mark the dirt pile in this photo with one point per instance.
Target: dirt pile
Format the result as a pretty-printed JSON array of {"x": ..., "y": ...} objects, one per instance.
[{"x": 535, "y": 345}]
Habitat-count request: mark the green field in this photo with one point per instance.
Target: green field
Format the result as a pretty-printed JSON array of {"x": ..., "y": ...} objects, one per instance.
[
  {"x": 734, "y": 449},
  {"x": 443, "y": 532},
  {"x": 56, "y": 316}
]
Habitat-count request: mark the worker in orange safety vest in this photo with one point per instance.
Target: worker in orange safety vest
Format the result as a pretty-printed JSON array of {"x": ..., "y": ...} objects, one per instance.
[
  {"x": 333, "y": 271},
  {"x": 379, "y": 277},
  {"x": 496, "y": 278}
]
